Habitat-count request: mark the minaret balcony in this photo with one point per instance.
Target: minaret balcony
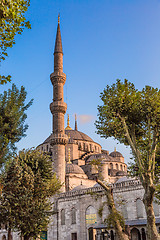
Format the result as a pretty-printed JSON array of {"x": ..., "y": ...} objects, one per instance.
[
  {"x": 59, "y": 138},
  {"x": 58, "y": 107},
  {"x": 58, "y": 77}
]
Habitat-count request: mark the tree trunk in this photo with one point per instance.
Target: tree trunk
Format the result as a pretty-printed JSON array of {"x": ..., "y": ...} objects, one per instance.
[
  {"x": 148, "y": 203},
  {"x": 9, "y": 234},
  {"x": 113, "y": 211}
]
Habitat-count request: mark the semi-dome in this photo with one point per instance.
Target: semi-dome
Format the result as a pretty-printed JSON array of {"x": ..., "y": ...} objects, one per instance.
[
  {"x": 102, "y": 156},
  {"x": 115, "y": 154},
  {"x": 79, "y": 187},
  {"x": 73, "y": 168},
  {"x": 125, "y": 179},
  {"x": 77, "y": 135}
]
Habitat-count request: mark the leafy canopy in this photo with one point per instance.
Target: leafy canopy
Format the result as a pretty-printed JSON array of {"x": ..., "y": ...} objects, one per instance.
[
  {"x": 12, "y": 119},
  {"x": 12, "y": 21},
  {"x": 132, "y": 117},
  {"x": 28, "y": 183}
]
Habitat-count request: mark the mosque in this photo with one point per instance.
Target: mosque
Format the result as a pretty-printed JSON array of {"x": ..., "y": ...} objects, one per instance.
[{"x": 73, "y": 153}]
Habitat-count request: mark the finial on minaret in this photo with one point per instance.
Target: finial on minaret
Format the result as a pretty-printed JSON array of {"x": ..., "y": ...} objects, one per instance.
[
  {"x": 58, "y": 18},
  {"x": 76, "y": 129},
  {"x": 68, "y": 127}
]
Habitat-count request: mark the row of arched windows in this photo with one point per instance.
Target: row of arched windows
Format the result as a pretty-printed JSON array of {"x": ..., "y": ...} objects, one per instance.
[
  {"x": 45, "y": 148},
  {"x": 88, "y": 147},
  {"x": 73, "y": 216},
  {"x": 117, "y": 167},
  {"x": 139, "y": 209}
]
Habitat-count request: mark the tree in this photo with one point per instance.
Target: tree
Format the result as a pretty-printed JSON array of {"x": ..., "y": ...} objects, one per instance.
[
  {"x": 28, "y": 184},
  {"x": 115, "y": 219},
  {"x": 133, "y": 118},
  {"x": 12, "y": 119},
  {"x": 12, "y": 21}
]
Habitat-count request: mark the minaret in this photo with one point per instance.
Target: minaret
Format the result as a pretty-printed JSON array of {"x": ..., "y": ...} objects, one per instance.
[
  {"x": 58, "y": 108},
  {"x": 76, "y": 129}
]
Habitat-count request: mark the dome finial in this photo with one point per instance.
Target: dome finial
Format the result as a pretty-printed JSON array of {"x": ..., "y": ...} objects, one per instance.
[
  {"x": 76, "y": 129},
  {"x": 115, "y": 149},
  {"x": 68, "y": 127},
  {"x": 58, "y": 18}
]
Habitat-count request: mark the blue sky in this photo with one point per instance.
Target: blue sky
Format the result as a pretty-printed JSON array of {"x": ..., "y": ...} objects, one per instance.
[{"x": 102, "y": 40}]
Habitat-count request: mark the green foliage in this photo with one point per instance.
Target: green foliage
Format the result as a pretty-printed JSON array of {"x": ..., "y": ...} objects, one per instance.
[
  {"x": 110, "y": 220},
  {"x": 12, "y": 119},
  {"x": 4, "y": 79},
  {"x": 12, "y": 22},
  {"x": 133, "y": 118},
  {"x": 28, "y": 183}
]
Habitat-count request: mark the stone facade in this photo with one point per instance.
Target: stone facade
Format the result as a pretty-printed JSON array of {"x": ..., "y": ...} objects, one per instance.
[{"x": 127, "y": 194}]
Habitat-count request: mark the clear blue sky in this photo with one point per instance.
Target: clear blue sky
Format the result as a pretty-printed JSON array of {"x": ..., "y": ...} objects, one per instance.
[{"x": 102, "y": 40}]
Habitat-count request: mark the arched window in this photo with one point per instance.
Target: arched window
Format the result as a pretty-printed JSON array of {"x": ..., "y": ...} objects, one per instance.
[
  {"x": 139, "y": 207},
  {"x": 91, "y": 216},
  {"x": 90, "y": 146},
  {"x": 121, "y": 167},
  {"x": 124, "y": 209},
  {"x": 112, "y": 235},
  {"x": 73, "y": 216},
  {"x": 116, "y": 166},
  {"x": 143, "y": 234},
  {"x": 62, "y": 217},
  {"x": 111, "y": 165},
  {"x": 87, "y": 148},
  {"x": 4, "y": 237},
  {"x": 155, "y": 208},
  {"x": 84, "y": 146},
  {"x": 135, "y": 234},
  {"x": 79, "y": 146}
]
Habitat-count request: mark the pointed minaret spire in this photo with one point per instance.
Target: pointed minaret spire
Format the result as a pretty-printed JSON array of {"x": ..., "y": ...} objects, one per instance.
[
  {"x": 58, "y": 51},
  {"x": 58, "y": 42},
  {"x": 76, "y": 129}
]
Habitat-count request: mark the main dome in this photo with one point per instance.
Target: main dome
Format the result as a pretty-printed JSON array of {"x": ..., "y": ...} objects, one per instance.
[
  {"x": 73, "y": 134},
  {"x": 77, "y": 135}
]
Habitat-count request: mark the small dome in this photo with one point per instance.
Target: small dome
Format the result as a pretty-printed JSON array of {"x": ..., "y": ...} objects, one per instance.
[
  {"x": 121, "y": 173},
  {"x": 115, "y": 154},
  {"x": 73, "y": 168},
  {"x": 80, "y": 187}
]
